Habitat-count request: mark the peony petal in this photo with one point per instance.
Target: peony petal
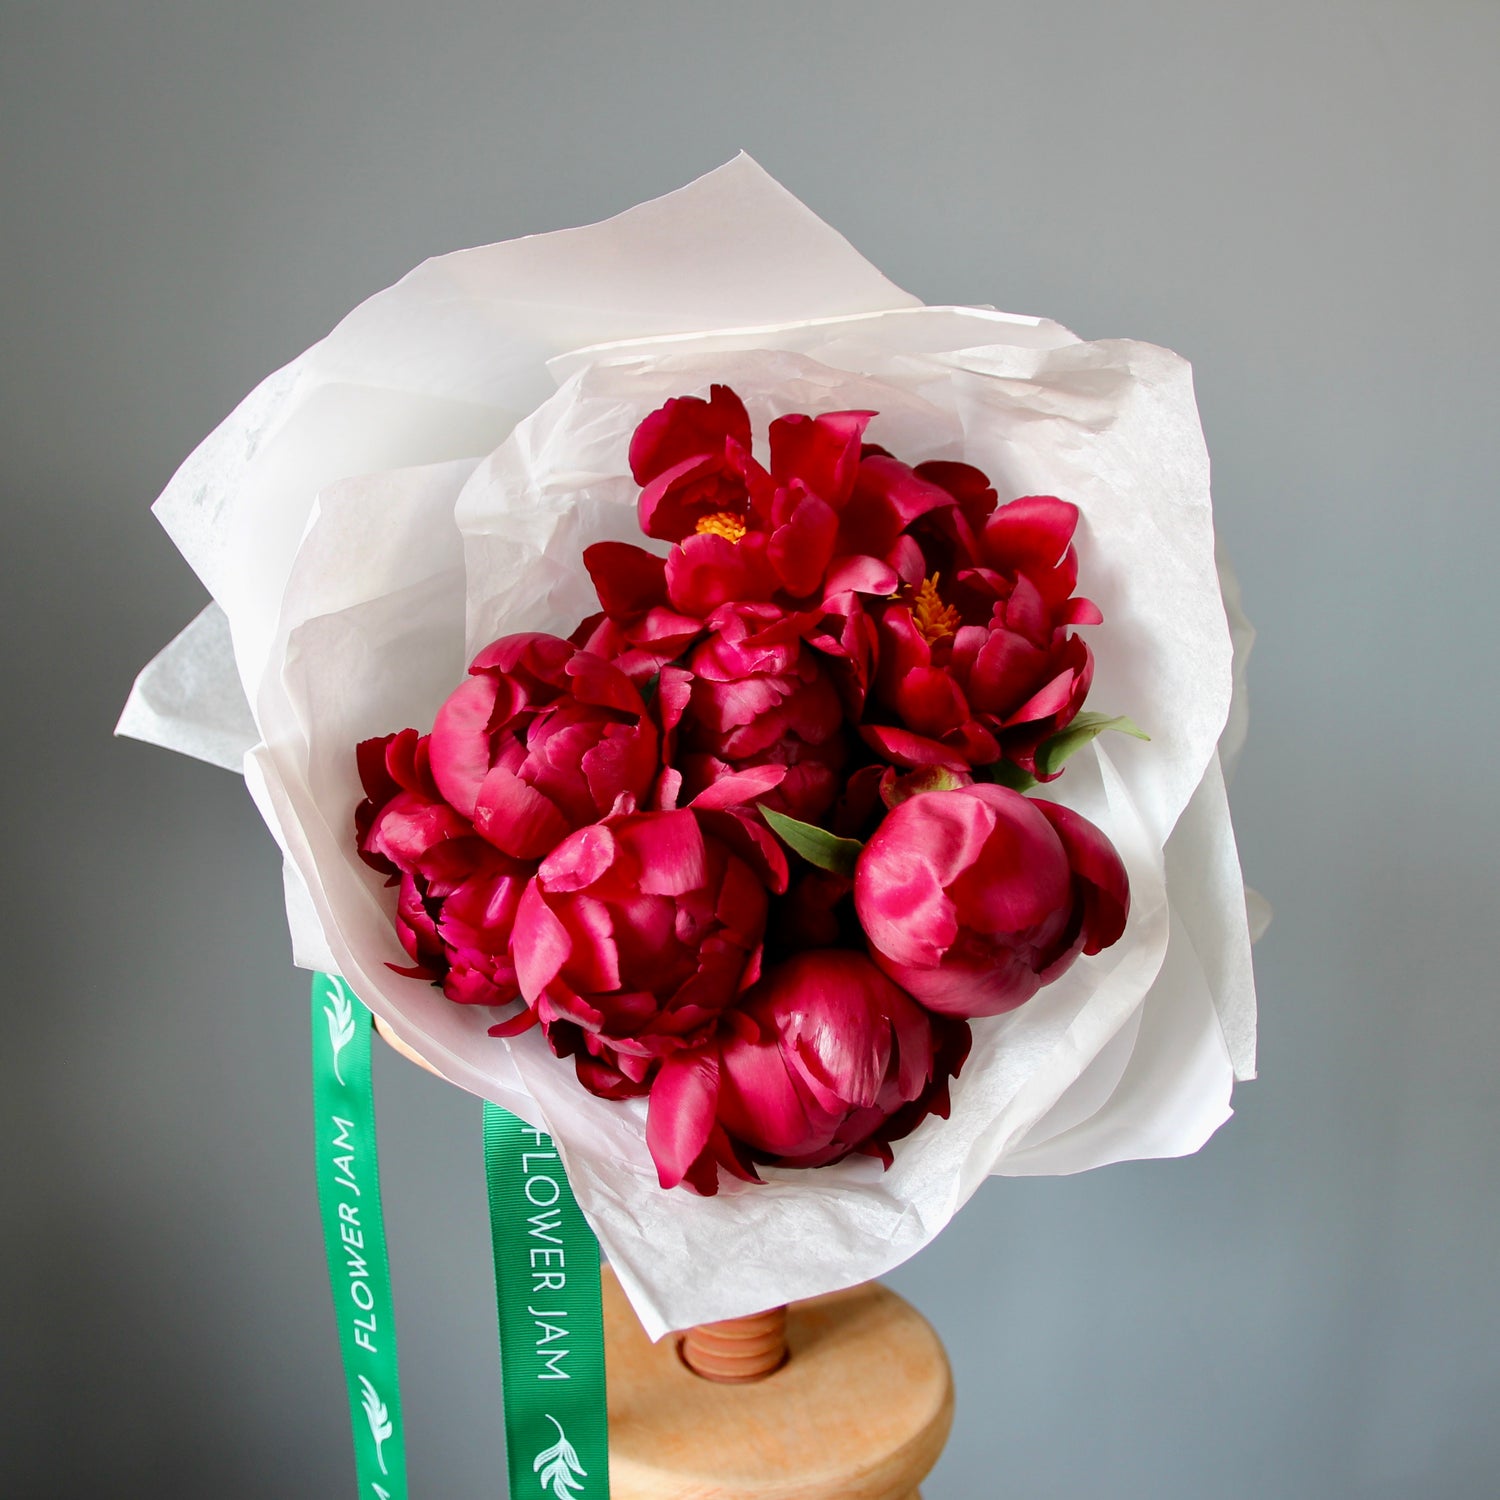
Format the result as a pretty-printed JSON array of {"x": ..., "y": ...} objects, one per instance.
[
  {"x": 516, "y": 818},
  {"x": 593, "y": 966},
  {"x": 931, "y": 702},
  {"x": 1018, "y": 876},
  {"x": 580, "y": 860},
  {"x": 532, "y": 652},
  {"x": 540, "y": 944},
  {"x": 835, "y": 1005},
  {"x": 969, "y": 486},
  {"x": 515, "y": 1025},
  {"x": 407, "y": 827},
  {"x": 862, "y": 575},
  {"x": 750, "y": 840},
  {"x": 1032, "y": 532},
  {"x": 667, "y": 849},
  {"x": 820, "y": 452},
  {"x": 1026, "y": 612},
  {"x": 1005, "y": 673},
  {"x": 910, "y": 750},
  {"x": 899, "y": 894},
  {"x": 1080, "y": 612},
  {"x": 379, "y": 782},
  {"x": 739, "y": 787},
  {"x": 1053, "y": 699},
  {"x": 898, "y": 490},
  {"x": 1098, "y": 867},
  {"x": 707, "y": 571},
  {"x": 986, "y": 987},
  {"x": 629, "y": 580},
  {"x": 800, "y": 549},
  {"x": 460, "y": 744},
  {"x": 758, "y": 1102},
  {"x": 680, "y": 1115},
  {"x": 687, "y": 426}
]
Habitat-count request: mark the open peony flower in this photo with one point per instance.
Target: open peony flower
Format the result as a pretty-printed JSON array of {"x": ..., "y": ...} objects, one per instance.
[
  {"x": 973, "y": 899},
  {"x": 692, "y": 460},
  {"x": 426, "y": 479},
  {"x": 977, "y": 659},
  {"x": 743, "y": 532}
]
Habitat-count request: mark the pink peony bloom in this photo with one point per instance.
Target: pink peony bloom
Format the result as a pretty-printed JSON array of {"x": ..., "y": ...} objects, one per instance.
[
  {"x": 973, "y": 899},
  {"x": 753, "y": 694},
  {"x": 541, "y": 739},
  {"x": 829, "y": 1057},
  {"x": 636, "y": 935},
  {"x": 458, "y": 894}
]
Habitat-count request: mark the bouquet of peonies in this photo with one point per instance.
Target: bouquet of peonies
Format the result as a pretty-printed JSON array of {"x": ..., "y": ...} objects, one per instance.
[
  {"x": 752, "y": 844},
  {"x": 773, "y": 632}
]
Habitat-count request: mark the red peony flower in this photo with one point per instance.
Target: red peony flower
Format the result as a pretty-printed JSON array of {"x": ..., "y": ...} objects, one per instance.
[
  {"x": 691, "y": 458},
  {"x": 636, "y": 935},
  {"x": 743, "y": 532},
  {"x": 780, "y": 541},
  {"x": 831, "y": 1058},
  {"x": 976, "y": 660},
  {"x": 753, "y": 694},
  {"x": 543, "y": 738},
  {"x": 973, "y": 899},
  {"x": 458, "y": 893}
]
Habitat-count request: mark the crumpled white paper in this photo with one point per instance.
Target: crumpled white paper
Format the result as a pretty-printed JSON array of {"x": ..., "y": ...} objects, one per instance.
[{"x": 425, "y": 479}]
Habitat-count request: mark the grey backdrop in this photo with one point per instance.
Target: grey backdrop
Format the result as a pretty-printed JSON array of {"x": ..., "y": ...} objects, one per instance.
[{"x": 1299, "y": 197}]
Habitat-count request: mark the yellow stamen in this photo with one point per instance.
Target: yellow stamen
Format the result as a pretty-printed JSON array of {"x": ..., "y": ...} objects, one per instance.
[
  {"x": 930, "y": 615},
  {"x": 722, "y": 523}
]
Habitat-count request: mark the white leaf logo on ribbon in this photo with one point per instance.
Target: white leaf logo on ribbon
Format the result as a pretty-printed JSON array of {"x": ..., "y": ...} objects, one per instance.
[
  {"x": 340, "y": 1013},
  {"x": 557, "y": 1465},
  {"x": 379, "y": 1419}
]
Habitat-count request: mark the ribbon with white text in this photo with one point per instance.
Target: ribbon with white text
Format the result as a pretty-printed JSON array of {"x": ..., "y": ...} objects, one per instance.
[
  {"x": 354, "y": 1234},
  {"x": 551, "y": 1317}
]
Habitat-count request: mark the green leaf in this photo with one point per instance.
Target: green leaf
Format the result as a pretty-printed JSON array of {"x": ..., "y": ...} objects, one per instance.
[
  {"x": 1054, "y": 752},
  {"x": 816, "y": 845}
]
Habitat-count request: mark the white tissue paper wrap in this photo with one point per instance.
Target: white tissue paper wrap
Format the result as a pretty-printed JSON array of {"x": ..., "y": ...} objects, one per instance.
[{"x": 426, "y": 478}]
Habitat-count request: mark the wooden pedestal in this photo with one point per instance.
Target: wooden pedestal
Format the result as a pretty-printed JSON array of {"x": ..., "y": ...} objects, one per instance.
[{"x": 860, "y": 1411}]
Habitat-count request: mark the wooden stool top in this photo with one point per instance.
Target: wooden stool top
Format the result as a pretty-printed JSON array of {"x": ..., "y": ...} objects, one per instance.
[{"x": 860, "y": 1411}]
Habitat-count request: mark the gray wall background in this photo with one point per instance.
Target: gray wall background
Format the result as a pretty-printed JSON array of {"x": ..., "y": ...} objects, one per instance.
[{"x": 1300, "y": 197}]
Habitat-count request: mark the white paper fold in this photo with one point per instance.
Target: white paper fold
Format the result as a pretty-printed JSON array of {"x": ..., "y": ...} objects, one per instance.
[
  {"x": 188, "y": 696},
  {"x": 425, "y": 479}
]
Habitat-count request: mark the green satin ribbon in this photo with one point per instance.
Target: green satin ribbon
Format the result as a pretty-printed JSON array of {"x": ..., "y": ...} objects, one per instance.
[
  {"x": 354, "y": 1234},
  {"x": 547, "y": 1285},
  {"x": 551, "y": 1318}
]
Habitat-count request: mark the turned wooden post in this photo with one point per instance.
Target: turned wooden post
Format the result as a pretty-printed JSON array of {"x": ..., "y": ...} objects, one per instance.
[
  {"x": 738, "y": 1349},
  {"x": 842, "y": 1397}
]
